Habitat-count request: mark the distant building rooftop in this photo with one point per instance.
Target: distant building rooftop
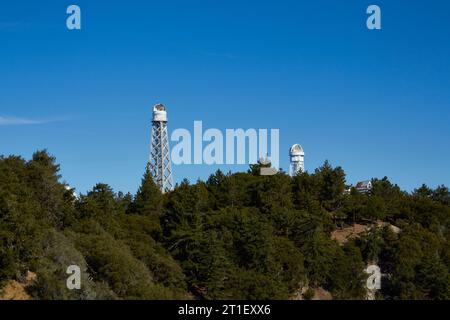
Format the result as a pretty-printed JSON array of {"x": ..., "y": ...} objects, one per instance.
[{"x": 364, "y": 186}]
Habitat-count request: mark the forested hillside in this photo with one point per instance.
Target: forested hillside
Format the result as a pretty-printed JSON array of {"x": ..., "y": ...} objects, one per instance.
[{"x": 237, "y": 236}]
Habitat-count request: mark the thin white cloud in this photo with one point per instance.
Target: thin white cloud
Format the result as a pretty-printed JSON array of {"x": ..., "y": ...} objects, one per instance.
[
  {"x": 13, "y": 121},
  {"x": 222, "y": 55},
  {"x": 5, "y": 25}
]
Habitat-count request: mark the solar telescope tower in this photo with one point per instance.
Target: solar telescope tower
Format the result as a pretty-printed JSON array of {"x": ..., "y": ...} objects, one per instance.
[{"x": 160, "y": 163}]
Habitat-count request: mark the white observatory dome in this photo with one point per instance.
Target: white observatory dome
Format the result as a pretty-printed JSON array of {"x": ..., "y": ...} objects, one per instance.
[
  {"x": 297, "y": 156},
  {"x": 159, "y": 113},
  {"x": 296, "y": 150}
]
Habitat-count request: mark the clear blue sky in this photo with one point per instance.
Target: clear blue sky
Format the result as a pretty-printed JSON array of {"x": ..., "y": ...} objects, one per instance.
[{"x": 374, "y": 102}]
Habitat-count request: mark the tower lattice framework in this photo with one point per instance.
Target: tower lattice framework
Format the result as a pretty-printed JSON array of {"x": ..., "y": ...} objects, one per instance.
[{"x": 160, "y": 163}]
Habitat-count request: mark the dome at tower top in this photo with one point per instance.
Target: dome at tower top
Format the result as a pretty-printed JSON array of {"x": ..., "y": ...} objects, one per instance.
[
  {"x": 159, "y": 113},
  {"x": 296, "y": 150},
  {"x": 159, "y": 107}
]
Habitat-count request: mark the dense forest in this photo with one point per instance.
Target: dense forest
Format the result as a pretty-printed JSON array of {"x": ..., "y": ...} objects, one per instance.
[{"x": 234, "y": 236}]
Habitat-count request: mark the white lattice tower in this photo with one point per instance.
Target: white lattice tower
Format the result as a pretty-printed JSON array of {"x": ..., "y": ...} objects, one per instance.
[{"x": 160, "y": 163}]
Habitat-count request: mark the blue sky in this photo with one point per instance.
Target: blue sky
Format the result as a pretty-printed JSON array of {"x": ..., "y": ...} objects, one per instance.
[{"x": 376, "y": 103}]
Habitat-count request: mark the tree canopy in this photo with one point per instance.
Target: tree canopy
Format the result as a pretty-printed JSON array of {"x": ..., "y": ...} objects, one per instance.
[{"x": 233, "y": 236}]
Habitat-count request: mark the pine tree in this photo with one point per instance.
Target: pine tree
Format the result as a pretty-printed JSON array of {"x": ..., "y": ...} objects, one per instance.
[{"x": 149, "y": 199}]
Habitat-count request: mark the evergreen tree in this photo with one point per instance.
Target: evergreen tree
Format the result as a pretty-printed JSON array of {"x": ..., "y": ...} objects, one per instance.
[{"x": 149, "y": 199}]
